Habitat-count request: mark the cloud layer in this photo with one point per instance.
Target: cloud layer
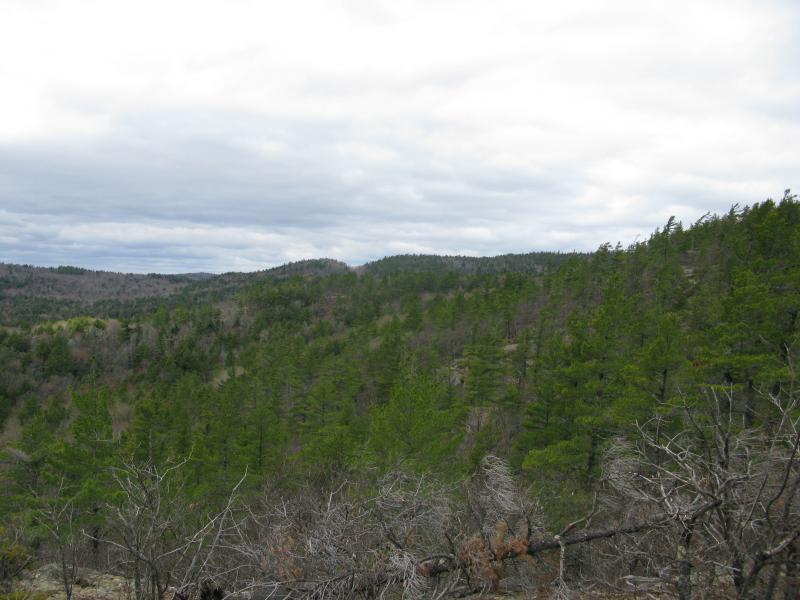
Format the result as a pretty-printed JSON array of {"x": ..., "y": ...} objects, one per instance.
[{"x": 238, "y": 135}]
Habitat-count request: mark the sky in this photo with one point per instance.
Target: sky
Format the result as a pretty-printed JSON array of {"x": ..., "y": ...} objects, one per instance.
[{"x": 237, "y": 135}]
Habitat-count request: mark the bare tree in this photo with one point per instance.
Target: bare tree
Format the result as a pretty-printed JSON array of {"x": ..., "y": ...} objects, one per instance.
[
  {"x": 405, "y": 536},
  {"x": 731, "y": 492},
  {"x": 695, "y": 499},
  {"x": 152, "y": 522},
  {"x": 59, "y": 518}
]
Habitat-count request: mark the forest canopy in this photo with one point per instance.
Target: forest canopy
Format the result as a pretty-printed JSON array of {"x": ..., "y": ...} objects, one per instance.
[{"x": 560, "y": 376}]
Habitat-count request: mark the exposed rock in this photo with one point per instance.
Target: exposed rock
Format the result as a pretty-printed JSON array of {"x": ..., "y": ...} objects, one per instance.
[{"x": 89, "y": 585}]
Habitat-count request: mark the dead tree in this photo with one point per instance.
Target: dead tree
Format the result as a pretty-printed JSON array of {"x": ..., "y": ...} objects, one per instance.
[
  {"x": 411, "y": 537},
  {"x": 407, "y": 535},
  {"x": 59, "y": 519},
  {"x": 702, "y": 499},
  {"x": 158, "y": 546},
  {"x": 731, "y": 492}
]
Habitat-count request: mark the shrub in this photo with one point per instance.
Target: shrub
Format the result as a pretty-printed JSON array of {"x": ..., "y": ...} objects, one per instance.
[{"x": 14, "y": 556}]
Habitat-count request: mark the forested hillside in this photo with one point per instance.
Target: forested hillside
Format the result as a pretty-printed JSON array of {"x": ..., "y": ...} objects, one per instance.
[
  {"x": 543, "y": 379},
  {"x": 30, "y": 295},
  {"x": 533, "y": 262}
]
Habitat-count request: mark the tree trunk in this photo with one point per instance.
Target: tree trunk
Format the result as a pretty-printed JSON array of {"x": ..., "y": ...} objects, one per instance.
[
  {"x": 791, "y": 590},
  {"x": 684, "y": 585}
]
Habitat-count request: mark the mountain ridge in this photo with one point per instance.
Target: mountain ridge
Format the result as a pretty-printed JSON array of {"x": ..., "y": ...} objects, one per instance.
[{"x": 30, "y": 294}]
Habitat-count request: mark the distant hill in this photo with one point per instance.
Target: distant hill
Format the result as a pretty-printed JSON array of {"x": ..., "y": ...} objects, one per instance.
[
  {"x": 29, "y": 294},
  {"x": 84, "y": 285},
  {"x": 532, "y": 262}
]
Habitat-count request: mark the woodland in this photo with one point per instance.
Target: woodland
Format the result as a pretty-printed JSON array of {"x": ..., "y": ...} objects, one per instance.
[{"x": 621, "y": 423}]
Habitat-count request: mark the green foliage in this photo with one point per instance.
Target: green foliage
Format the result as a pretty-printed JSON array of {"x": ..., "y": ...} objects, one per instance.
[
  {"x": 67, "y": 270},
  {"x": 312, "y": 370},
  {"x": 55, "y": 356},
  {"x": 82, "y": 324},
  {"x": 416, "y": 427},
  {"x": 14, "y": 556}
]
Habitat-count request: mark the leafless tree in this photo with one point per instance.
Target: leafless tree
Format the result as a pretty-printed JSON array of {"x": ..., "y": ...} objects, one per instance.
[
  {"x": 405, "y": 536},
  {"x": 730, "y": 493},
  {"x": 692, "y": 502},
  {"x": 153, "y": 533},
  {"x": 59, "y": 519}
]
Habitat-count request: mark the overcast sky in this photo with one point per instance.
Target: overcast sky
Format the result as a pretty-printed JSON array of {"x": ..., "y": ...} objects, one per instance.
[{"x": 194, "y": 135}]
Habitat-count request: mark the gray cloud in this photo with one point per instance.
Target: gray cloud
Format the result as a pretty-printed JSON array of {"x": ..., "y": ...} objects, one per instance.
[{"x": 258, "y": 138}]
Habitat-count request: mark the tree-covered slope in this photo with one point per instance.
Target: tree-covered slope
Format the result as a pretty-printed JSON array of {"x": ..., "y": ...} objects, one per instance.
[
  {"x": 313, "y": 375},
  {"x": 30, "y": 295},
  {"x": 572, "y": 353},
  {"x": 532, "y": 263}
]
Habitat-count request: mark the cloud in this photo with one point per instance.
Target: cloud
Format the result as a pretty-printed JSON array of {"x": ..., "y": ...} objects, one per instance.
[{"x": 222, "y": 136}]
